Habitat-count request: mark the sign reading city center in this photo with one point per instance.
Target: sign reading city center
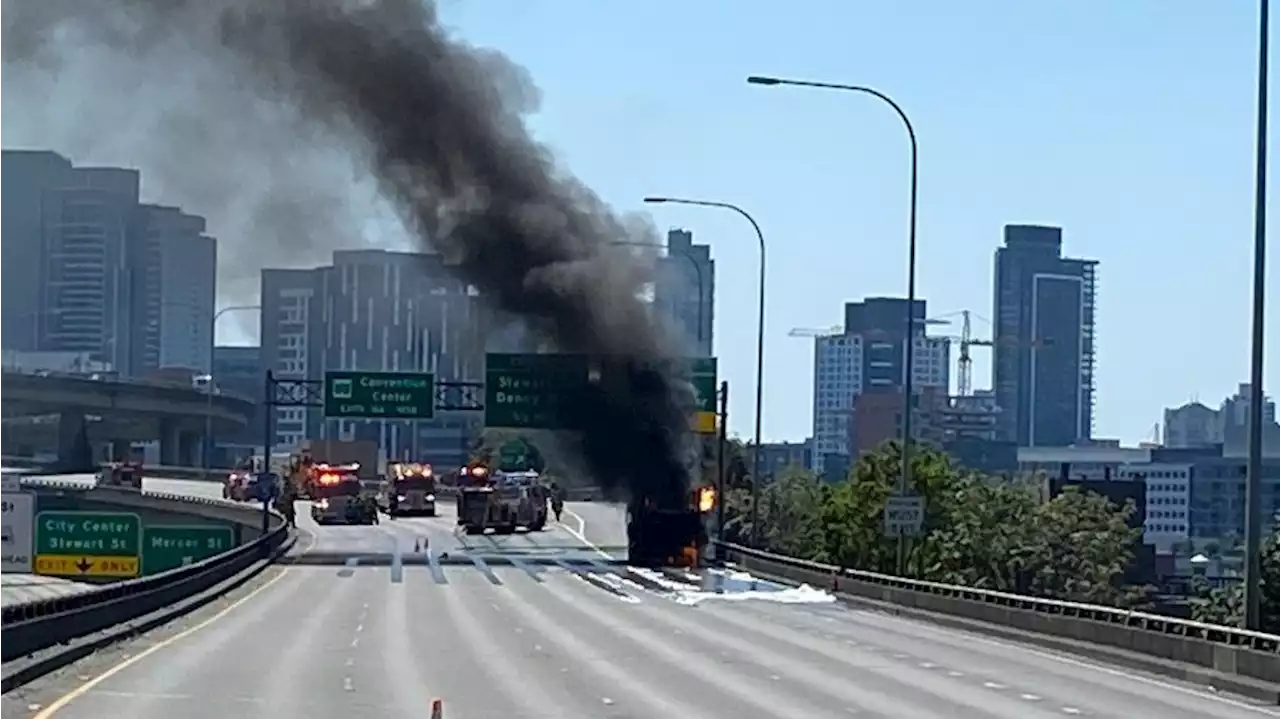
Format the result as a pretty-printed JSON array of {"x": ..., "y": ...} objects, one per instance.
[
  {"x": 379, "y": 395},
  {"x": 88, "y": 544}
]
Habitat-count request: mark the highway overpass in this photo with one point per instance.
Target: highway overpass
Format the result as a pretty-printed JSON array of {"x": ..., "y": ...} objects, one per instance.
[{"x": 124, "y": 411}]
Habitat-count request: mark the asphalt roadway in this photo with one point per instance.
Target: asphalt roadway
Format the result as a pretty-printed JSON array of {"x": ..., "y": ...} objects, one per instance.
[{"x": 381, "y": 621}]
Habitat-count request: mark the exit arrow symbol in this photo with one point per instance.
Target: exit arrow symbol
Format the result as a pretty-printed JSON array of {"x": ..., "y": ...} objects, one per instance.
[{"x": 84, "y": 565}]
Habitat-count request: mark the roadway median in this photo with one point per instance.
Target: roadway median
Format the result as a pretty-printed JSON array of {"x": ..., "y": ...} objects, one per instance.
[
  {"x": 1236, "y": 660},
  {"x": 191, "y": 550}
]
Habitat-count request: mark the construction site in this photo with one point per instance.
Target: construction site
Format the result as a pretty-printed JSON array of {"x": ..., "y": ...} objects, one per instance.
[{"x": 856, "y": 408}]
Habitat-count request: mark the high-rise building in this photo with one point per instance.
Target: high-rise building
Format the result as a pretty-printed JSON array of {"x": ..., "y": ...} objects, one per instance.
[
  {"x": 685, "y": 289},
  {"x": 869, "y": 356},
  {"x": 88, "y": 224},
  {"x": 378, "y": 311},
  {"x": 1043, "y": 373},
  {"x": 87, "y": 269},
  {"x": 1195, "y": 425},
  {"x": 175, "y": 277},
  {"x": 27, "y": 174},
  {"x": 238, "y": 370}
]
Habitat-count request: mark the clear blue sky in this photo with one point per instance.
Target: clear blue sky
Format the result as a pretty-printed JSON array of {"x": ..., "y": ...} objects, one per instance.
[{"x": 1130, "y": 124}]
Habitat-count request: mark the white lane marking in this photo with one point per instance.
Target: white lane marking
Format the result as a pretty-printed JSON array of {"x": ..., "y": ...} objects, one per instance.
[
  {"x": 1081, "y": 664},
  {"x": 1070, "y": 710},
  {"x": 90, "y": 686},
  {"x": 581, "y": 533},
  {"x": 994, "y": 685},
  {"x": 1030, "y": 697}
]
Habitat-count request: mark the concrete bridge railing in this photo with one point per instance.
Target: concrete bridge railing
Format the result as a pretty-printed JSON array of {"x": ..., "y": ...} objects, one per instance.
[
  {"x": 1226, "y": 657},
  {"x": 42, "y": 636}
]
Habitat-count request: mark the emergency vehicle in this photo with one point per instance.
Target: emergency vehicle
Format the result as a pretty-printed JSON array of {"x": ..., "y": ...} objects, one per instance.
[
  {"x": 238, "y": 486},
  {"x": 501, "y": 501},
  {"x": 122, "y": 474},
  {"x": 408, "y": 489},
  {"x": 335, "y": 494},
  {"x": 669, "y": 536}
]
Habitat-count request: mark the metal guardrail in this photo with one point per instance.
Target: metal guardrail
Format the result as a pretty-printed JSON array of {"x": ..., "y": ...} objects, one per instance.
[
  {"x": 1226, "y": 649},
  {"x": 30, "y": 627}
]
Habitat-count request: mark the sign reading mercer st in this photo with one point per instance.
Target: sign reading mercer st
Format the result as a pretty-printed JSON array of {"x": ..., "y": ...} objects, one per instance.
[{"x": 379, "y": 395}]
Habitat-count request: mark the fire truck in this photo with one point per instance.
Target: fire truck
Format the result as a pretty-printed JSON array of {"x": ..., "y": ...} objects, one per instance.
[
  {"x": 335, "y": 492},
  {"x": 238, "y": 486},
  {"x": 408, "y": 490},
  {"x": 122, "y": 474},
  {"x": 501, "y": 501},
  {"x": 664, "y": 536}
]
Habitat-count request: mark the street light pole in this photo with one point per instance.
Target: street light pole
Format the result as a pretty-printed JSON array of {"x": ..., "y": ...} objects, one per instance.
[
  {"x": 1253, "y": 481},
  {"x": 697, "y": 271},
  {"x": 755, "y": 454},
  {"x": 908, "y": 381},
  {"x": 208, "y": 388}
]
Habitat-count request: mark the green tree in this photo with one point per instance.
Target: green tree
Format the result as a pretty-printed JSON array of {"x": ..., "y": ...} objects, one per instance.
[
  {"x": 1080, "y": 546},
  {"x": 1226, "y": 605},
  {"x": 854, "y": 516},
  {"x": 979, "y": 531},
  {"x": 791, "y": 512},
  {"x": 986, "y": 538}
]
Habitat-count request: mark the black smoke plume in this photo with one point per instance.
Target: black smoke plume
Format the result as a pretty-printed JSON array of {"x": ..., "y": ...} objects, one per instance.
[{"x": 438, "y": 125}]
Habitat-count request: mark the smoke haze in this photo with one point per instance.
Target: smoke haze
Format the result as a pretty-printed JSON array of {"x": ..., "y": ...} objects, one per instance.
[{"x": 297, "y": 126}]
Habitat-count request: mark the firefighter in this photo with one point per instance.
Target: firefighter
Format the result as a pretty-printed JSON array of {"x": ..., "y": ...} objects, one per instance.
[
  {"x": 285, "y": 503},
  {"x": 393, "y": 503},
  {"x": 557, "y": 500},
  {"x": 557, "y": 504}
]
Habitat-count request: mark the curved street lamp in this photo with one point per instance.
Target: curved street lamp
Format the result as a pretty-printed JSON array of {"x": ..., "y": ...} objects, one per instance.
[
  {"x": 904, "y": 482},
  {"x": 697, "y": 270},
  {"x": 208, "y": 388},
  {"x": 755, "y": 454}
]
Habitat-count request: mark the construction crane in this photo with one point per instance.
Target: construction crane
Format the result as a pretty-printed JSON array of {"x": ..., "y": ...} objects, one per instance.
[
  {"x": 965, "y": 380},
  {"x": 835, "y": 330},
  {"x": 813, "y": 332}
]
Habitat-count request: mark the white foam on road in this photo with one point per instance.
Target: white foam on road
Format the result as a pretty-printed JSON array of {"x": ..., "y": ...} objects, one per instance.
[{"x": 733, "y": 586}]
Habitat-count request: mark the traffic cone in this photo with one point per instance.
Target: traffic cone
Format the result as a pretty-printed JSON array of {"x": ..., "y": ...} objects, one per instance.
[{"x": 437, "y": 709}]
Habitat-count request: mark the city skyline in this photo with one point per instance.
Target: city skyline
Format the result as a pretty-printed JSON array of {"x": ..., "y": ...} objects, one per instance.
[
  {"x": 91, "y": 268},
  {"x": 154, "y": 287}
]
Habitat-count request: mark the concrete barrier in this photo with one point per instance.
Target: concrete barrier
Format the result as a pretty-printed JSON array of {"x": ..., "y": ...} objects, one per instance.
[
  {"x": 1152, "y": 642},
  {"x": 72, "y": 621}
]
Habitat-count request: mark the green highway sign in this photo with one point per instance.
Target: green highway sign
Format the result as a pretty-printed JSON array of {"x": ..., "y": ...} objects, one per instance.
[
  {"x": 92, "y": 544},
  {"x": 532, "y": 391},
  {"x": 702, "y": 375},
  {"x": 700, "y": 372},
  {"x": 536, "y": 391},
  {"x": 379, "y": 395},
  {"x": 517, "y": 455},
  {"x": 171, "y": 546}
]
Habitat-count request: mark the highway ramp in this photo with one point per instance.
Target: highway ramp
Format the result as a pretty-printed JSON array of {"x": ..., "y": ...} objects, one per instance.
[
  {"x": 21, "y": 588},
  {"x": 24, "y": 588},
  {"x": 539, "y": 626},
  {"x": 180, "y": 487}
]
